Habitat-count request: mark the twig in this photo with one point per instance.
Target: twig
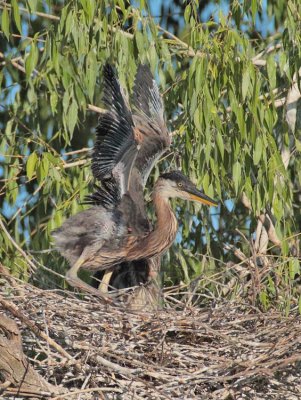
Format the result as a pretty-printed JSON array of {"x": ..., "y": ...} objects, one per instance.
[
  {"x": 90, "y": 390},
  {"x": 14, "y": 63},
  {"x": 190, "y": 51},
  {"x": 117, "y": 368},
  {"x": 38, "y": 13},
  {"x": 74, "y": 164},
  {"x": 96, "y": 109},
  {"x": 25, "y": 37},
  {"x": 83, "y": 150},
  {"x": 21, "y": 251},
  {"x": 26, "y": 202}
]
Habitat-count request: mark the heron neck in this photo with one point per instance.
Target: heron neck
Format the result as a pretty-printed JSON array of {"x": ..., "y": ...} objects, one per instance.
[
  {"x": 160, "y": 239},
  {"x": 166, "y": 220}
]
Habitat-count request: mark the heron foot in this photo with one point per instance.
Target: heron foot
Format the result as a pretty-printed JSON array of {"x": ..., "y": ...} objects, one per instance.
[
  {"x": 104, "y": 284},
  {"x": 75, "y": 281}
]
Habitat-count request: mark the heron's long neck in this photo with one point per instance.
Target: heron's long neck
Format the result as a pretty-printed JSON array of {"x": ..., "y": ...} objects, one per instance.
[
  {"x": 164, "y": 233},
  {"x": 166, "y": 226}
]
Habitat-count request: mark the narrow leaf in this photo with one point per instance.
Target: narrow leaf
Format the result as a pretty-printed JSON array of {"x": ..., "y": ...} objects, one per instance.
[
  {"x": 271, "y": 68},
  {"x": 236, "y": 175},
  {"x": 258, "y": 150},
  {"x": 245, "y": 83},
  {"x": 5, "y": 23},
  {"x": 220, "y": 144},
  {"x": 72, "y": 116},
  {"x": 31, "y": 60},
  {"x": 16, "y": 14},
  {"x": 30, "y": 165}
]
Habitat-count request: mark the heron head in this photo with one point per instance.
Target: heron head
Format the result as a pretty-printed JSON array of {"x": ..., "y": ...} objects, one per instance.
[{"x": 176, "y": 184}]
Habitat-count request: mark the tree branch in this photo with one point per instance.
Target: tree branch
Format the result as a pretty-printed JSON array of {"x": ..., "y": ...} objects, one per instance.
[
  {"x": 20, "y": 377},
  {"x": 37, "y": 331}
]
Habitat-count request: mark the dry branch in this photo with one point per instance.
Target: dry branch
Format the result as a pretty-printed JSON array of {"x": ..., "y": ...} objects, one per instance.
[{"x": 18, "y": 376}]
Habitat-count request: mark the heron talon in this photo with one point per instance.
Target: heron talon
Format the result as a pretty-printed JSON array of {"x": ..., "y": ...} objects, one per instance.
[{"x": 76, "y": 282}]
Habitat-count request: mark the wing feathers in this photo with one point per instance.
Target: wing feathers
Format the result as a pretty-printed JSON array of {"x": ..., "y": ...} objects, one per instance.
[
  {"x": 108, "y": 195},
  {"x": 148, "y": 118},
  {"x": 119, "y": 132},
  {"x": 115, "y": 148},
  {"x": 147, "y": 100}
]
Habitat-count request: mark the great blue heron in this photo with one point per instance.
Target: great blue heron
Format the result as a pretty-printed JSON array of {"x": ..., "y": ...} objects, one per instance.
[{"x": 115, "y": 231}]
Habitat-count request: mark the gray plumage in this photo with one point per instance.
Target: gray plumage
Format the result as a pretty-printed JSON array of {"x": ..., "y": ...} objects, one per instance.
[{"x": 94, "y": 228}]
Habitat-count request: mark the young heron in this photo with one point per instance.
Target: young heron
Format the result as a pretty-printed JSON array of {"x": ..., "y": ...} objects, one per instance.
[{"x": 115, "y": 231}]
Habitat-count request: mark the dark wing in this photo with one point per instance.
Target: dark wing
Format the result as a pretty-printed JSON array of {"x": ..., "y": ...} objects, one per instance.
[
  {"x": 107, "y": 195},
  {"x": 115, "y": 149},
  {"x": 149, "y": 122}
]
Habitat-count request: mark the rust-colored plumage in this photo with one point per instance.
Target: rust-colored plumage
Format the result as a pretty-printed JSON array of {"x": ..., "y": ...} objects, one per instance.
[{"x": 115, "y": 235}]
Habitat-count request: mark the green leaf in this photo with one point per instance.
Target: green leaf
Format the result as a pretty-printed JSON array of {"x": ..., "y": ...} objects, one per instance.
[
  {"x": 184, "y": 267},
  {"x": 236, "y": 175},
  {"x": 89, "y": 8},
  {"x": 69, "y": 23},
  {"x": 72, "y": 116},
  {"x": 257, "y": 151},
  {"x": 245, "y": 83},
  {"x": 263, "y": 299},
  {"x": 5, "y": 23},
  {"x": 205, "y": 182},
  {"x": 153, "y": 57},
  {"x": 271, "y": 68},
  {"x": 66, "y": 101},
  {"x": 44, "y": 167},
  {"x": 32, "y": 4},
  {"x": 53, "y": 102},
  {"x": 91, "y": 71},
  {"x": 187, "y": 13},
  {"x": 294, "y": 268},
  {"x": 254, "y": 10},
  {"x": 197, "y": 119},
  {"x": 220, "y": 144},
  {"x": 16, "y": 15},
  {"x": 30, "y": 165},
  {"x": 31, "y": 60},
  {"x": 139, "y": 39},
  {"x": 52, "y": 159}
]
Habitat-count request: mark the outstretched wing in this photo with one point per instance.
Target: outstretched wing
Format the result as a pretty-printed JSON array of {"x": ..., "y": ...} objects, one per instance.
[
  {"x": 115, "y": 149},
  {"x": 107, "y": 195},
  {"x": 149, "y": 122}
]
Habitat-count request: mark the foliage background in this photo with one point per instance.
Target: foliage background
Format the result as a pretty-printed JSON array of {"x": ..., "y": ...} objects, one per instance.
[{"x": 229, "y": 75}]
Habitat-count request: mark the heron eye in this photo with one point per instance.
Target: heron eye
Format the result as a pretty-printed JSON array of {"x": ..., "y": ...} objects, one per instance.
[{"x": 180, "y": 184}]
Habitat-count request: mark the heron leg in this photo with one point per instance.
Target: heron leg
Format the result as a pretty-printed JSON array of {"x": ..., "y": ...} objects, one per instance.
[
  {"x": 104, "y": 284},
  {"x": 75, "y": 281}
]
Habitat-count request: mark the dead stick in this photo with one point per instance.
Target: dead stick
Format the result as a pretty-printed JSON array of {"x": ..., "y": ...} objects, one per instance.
[
  {"x": 89, "y": 390},
  {"x": 36, "y": 330}
]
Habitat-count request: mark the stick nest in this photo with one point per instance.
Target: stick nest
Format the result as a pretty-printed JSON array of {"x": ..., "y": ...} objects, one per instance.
[{"x": 225, "y": 351}]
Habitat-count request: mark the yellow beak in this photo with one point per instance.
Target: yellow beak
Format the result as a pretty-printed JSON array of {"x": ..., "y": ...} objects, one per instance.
[{"x": 202, "y": 198}]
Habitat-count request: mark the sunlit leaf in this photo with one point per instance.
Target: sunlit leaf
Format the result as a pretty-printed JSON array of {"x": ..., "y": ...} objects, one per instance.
[
  {"x": 5, "y": 22},
  {"x": 16, "y": 14},
  {"x": 31, "y": 164},
  {"x": 31, "y": 60},
  {"x": 72, "y": 116},
  {"x": 245, "y": 83},
  {"x": 258, "y": 150},
  {"x": 236, "y": 175}
]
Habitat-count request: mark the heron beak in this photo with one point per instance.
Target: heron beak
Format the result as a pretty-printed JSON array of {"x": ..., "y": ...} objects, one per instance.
[{"x": 200, "y": 197}]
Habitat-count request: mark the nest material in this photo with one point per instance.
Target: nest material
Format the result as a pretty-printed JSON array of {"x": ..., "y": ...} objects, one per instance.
[{"x": 226, "y": 351}]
